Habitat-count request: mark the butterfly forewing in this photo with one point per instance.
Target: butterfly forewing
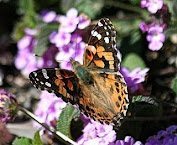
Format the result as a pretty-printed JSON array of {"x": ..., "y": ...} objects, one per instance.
[
  {"x": 63, "y": 83},
  {"x": 101, "y": 52}
]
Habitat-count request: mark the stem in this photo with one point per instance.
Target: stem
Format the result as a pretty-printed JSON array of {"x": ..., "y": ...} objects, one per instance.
[
  {"x": 61, "y": 137},
  {"x": 157, "y": 118}
]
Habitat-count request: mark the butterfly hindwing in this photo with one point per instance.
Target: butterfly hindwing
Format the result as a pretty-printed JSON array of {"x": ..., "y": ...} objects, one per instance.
[
  {"x": 106, "y": 102},
  {"x": 101, "y": 52},
  {"x": 63, "y": 83}
]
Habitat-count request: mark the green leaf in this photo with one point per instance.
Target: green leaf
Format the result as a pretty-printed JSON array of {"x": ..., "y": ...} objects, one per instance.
[
  {"x": 37, "y": 140},
  {"x": 127, "y": 27},
  {"x": 26, "y": 7},
  {"x": 28, "y": 21},
  {"x": 174, "y": 85},
  {"x": 22, "y": 141},
  {"x": 145, "y": 99},
  {"x": 89, "y": 7},
  {"x": 132, "y": 61},
  {"x": 65, "y": 118},
  {"x": 43, "y": 37}
]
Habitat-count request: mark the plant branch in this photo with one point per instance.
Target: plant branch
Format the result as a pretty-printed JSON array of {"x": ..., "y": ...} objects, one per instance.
[
  {"x": 56, "y": 134},
  {"x": 129, "y": 7}
]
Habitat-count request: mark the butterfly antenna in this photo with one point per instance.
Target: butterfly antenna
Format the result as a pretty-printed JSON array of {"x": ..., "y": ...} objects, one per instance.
[
  {"x": 59, "y": 61},
  {"x": 76, "y": 48}
]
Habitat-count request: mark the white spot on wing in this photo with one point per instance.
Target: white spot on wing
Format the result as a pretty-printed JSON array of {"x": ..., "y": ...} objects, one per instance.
[
  {"x": 35, "y": 74},
  {"x": 105, "y": 27},
  {"x": 106, "y": 39},
  {"x": 98, "y": 36},
  {"x": 48, "y": 84},
  {"x": 100, "y": 24},
  {"x": 94, "y": 33},
  {"x": 44, "y": 72},
  {"x": 41, "y": 83},
  {"x": 107, "y": 33}
]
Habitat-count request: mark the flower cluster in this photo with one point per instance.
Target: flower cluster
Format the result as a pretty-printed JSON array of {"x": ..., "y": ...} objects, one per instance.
[
  {"x": 68, "y": 37},
  {"x": 49, "y": 108},
  {"x": 155, "y": 35},
  {"x": 65, "y": 43},
  {"x": 165, "y": 137},
  {"x": 26, "y": 60},
  {"x": 134, "y": 78},
  {"x": 158, "y": 22},
  {"x": 96, "y": 133},
  {"x": 8, "y": 106}
]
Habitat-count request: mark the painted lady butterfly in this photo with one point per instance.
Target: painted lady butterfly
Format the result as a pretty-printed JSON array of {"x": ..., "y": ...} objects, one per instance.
[{"x": 97, "y": 86}]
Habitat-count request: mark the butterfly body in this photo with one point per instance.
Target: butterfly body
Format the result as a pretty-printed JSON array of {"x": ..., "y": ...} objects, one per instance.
[
  {"x": 97, "y": 86},
  {"x": 82, "y": 72}
]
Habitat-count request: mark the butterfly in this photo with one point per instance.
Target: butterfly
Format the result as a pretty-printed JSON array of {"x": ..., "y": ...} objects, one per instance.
[{"x": 97, "y": 86}]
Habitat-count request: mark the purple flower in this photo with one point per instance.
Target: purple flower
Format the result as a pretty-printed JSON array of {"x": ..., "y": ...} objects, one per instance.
[
  {"x": 165, "y": 137},
  {"x": 70, "y": 21},
  {"x": 8, "y": 106},
  {"x": 152, "y": 5},
  {"x": 96, "y": 133},
  {"x": 26, "y": 43},
  {"x": 127, "y": 141},
  {"x": 68, "y": 39},
  {"x": 48, "y": 60},
  {"x": 144, "y": 27},
  {"x": 155, "y": 37},
  {"x": 26, "y": 60},
  {"x": 134, "y": 78},
  {"x": 48, "y": 16},
  {"x": 60, "y": 39},
  {"x": 49, "y": 108},
  {"x": 84, "y": 21},
  {"x": 74, "y": 49}
]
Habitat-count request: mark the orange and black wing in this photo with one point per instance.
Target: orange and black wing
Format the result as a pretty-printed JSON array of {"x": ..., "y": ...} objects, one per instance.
[
  {"x": 108, "y": 105},
  {"x": 101, "y": 51},
  {"x": 63, "y": 83}
]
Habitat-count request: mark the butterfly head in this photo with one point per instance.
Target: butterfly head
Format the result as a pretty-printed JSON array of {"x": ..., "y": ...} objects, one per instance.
[{"x": 74, "y": 63}]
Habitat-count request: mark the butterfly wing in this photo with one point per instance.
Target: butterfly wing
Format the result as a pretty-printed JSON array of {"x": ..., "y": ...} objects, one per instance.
[
  {"x": 101, "y": 52},
  {"x": 106, "y": 102},
  {"x": 63, "y": 83}
]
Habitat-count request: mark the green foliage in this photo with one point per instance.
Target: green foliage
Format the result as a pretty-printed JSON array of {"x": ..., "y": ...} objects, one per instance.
[
  {"x": 145, "y": 99},
  {"x": 28, "y": 141},
  {"x": 37, "y": 140},
  {"x": 65, "y": 118},
  {"x": 126, "y": 27},
  {"x": 26, "y": 7},
  {"x": 174, "y": 85},
  {"x": 22, "y": 141},
  {"x": 175, "y": 7},
  {"x": 133, "y": 61},
  {"x": 90, "y": 7},
  {"x": 135, "y": 2},
  {"x": 45, "y": 30}
]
